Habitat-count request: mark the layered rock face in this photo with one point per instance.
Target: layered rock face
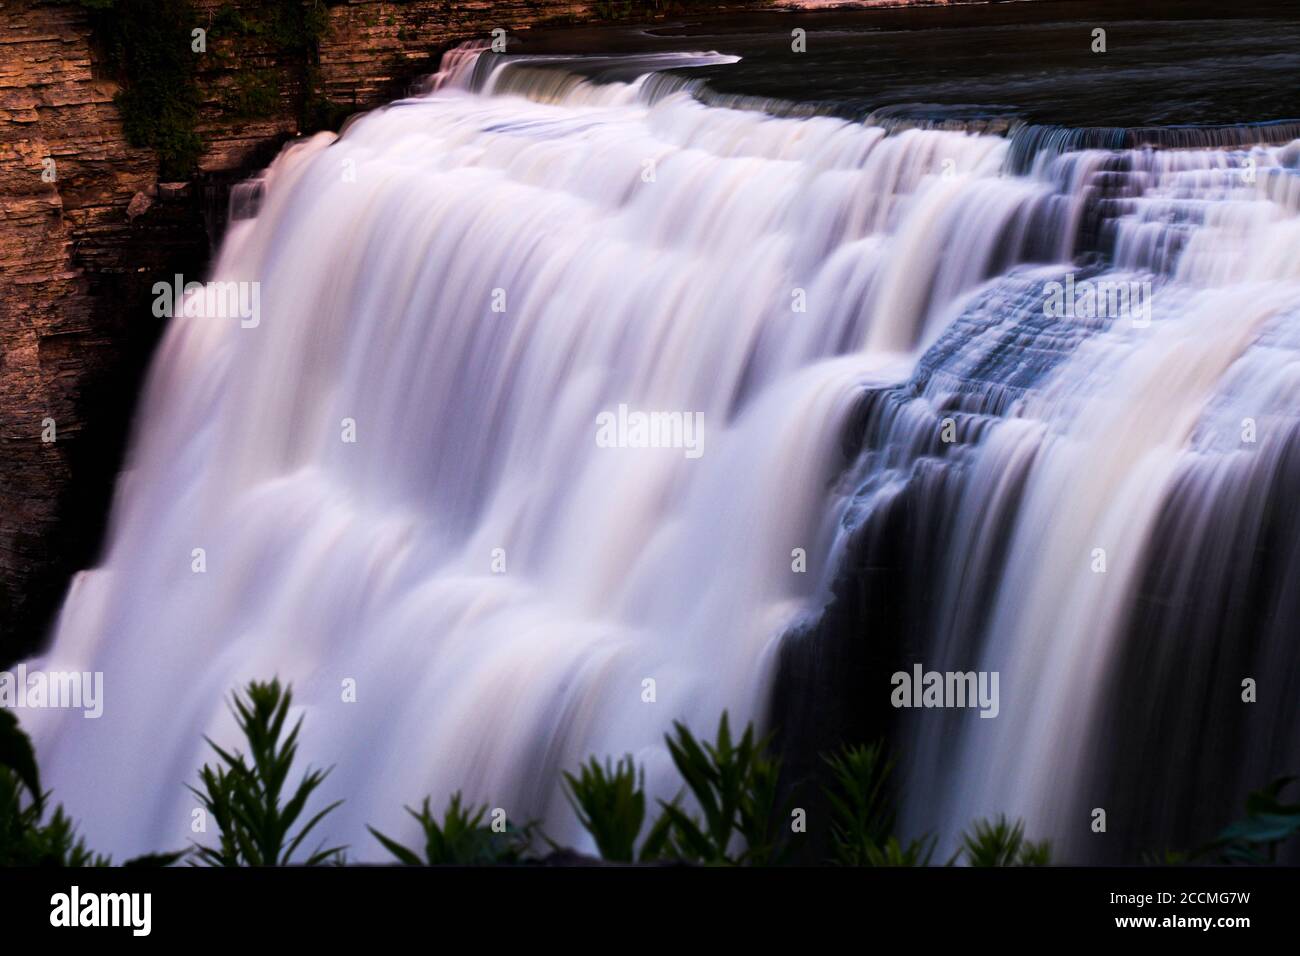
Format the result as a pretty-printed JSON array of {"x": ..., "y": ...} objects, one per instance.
[
  {"x": 86, "y": 228},
  {"x": 74, "y": 250}
]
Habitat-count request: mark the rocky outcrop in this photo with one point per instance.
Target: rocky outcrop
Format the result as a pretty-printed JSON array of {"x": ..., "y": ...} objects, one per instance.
[
  {"x": 81, "y": 227},
  {"x": 86, "y": 228},
  {"x": 372, "y": 49}
]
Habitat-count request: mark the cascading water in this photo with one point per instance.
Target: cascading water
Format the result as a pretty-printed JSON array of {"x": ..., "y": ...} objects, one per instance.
[{"x": 465, "y": 281}]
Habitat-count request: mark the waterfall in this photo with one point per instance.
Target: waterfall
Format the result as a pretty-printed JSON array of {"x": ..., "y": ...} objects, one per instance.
[{"x": 391, "y": 478}]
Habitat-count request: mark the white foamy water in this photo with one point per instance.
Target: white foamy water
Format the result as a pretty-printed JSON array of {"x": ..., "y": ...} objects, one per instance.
[{"x": 499, "y": 586}]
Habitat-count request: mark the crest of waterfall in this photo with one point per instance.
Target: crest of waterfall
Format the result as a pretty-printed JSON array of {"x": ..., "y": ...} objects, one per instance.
[{"x": 469, "y": 278}]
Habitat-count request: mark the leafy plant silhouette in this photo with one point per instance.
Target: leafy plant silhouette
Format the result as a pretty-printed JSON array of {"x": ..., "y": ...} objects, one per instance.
[
  {"x": 863, "y": 814},
  {"x": 611, "y": 805},
  {"x": 460, "y": 839},
  {"x": 245, "y": 799},
  {"x": 735, "y": 785},
  {"x": 1257, "y": 837},
  {"x": 732, "y": 782},
  {"x": 1000, "y": 842},
  {"x": 24, "y": 839}
]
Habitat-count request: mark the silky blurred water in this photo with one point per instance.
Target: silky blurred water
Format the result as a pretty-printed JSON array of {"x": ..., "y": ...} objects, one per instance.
[{"x": 471, "y": 276}]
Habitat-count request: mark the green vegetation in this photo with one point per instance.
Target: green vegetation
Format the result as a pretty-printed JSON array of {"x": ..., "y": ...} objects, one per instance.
[
  {"x": 245, "y": 800},
  {"x": 147, "y": 48},
  {"x": 610, "y": 804},
  {"x": 736, "y": 815},
  {"x": 1258, "y": 836},
  {"x": 862, "y": 812},
  {"x": 461, "y": 839},
  {"x": 290, "y": 31},
  {"x": 24, "y": 839},
  {"x": 150, "y": 49},
  {"x": 253, "y": 94},
  {"x": 735, "y": 785},
  {"x": 1002, "y": 843},
  {"x": 1253, "y": 840},
  {"x": 291, "y": 26}
]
